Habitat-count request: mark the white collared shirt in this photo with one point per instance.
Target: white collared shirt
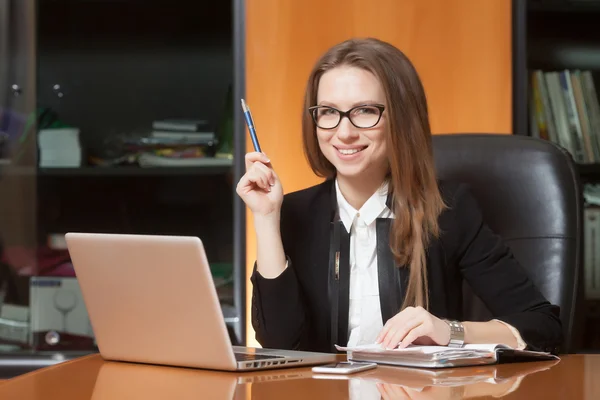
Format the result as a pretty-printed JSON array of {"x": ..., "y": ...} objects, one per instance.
[{"x": 364, "y": 319}]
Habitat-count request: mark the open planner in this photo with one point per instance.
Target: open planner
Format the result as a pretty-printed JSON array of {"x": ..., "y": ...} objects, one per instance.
[{"x": 442, "y": 356}]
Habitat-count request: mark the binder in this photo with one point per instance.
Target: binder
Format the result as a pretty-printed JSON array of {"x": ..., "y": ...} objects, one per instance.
[{"x": 443, "y": 356}]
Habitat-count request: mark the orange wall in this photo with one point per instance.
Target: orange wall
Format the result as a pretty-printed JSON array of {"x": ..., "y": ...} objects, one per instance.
[{"x": 461, "y": 48}]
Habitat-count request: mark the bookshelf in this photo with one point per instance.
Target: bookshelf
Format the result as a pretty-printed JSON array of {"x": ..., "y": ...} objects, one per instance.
[
  {"x": 557, "y": 74},
  {"x": 556, "y": 88}
]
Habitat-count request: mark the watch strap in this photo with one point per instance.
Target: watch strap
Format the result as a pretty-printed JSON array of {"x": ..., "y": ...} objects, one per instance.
[{"x": 457, "y": 333}]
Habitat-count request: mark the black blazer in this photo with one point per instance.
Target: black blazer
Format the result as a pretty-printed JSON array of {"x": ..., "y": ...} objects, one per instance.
[{"x": 306, "y": 307}]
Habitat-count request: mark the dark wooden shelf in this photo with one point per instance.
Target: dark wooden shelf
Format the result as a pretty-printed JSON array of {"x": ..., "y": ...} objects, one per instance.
[
  {"x": 589, "y": 171},
  {"x": 563, "y": 6},
  {"x": 217, "y": 167},
  {"x": 132, "y": 171}
]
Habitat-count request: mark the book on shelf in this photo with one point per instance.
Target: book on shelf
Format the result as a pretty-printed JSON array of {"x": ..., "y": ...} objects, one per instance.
[
  {"x": 181, "y": 132},
  {"x": 443, "y": 356},
  {"x": 180, "y": 125},
  {"x": 183, "y": 136},
  {"x": 564, "y": 109},
  {"x": 155, "y": 160}
]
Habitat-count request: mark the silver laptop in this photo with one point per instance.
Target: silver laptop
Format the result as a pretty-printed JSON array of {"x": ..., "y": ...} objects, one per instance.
[{"x": 152, "y": 299}]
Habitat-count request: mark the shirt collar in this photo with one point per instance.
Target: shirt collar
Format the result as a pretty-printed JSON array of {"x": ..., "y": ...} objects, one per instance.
[{"x": 369, "y": 212}]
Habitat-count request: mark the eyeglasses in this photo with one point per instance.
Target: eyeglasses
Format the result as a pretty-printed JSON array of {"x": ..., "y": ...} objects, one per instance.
[{"x": 363, "y": 116}]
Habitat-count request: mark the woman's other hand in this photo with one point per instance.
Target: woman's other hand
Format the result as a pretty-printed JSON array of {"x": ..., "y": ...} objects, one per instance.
[{"x": 414, "y": 325}]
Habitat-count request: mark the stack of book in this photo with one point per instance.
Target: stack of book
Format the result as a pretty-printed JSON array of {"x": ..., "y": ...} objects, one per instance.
[
  {"x": 182, "y": 131},
  {"x": 564, "y": 109},
  {"x": 176, "y": 142}
]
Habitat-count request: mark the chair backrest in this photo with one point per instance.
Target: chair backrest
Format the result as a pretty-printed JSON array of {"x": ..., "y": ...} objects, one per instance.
[{"x": 529, "y": 193}]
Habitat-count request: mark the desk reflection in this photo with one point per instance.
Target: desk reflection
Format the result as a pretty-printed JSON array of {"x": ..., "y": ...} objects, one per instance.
[
  {"x": 119, "y": 380},
  {"x": 116, "y": 380},
  {"x": 456, "y": 383}
]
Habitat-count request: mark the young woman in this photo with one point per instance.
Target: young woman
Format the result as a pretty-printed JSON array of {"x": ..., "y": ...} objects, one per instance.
[{"x": 377, "y": 253}]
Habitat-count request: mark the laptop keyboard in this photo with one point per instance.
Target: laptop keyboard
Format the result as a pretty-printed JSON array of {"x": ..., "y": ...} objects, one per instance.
[{"x": 253, "y": 357}]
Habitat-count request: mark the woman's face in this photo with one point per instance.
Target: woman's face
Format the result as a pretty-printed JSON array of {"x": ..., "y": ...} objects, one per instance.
[{"x": 354, "y": 151}]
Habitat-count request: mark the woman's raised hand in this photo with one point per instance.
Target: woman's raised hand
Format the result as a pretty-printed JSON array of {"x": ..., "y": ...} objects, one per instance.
[{"x": 260, "y": 187}]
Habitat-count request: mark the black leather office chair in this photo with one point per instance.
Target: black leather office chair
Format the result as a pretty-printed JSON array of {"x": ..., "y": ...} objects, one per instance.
[{"x": 529, "y": 193}]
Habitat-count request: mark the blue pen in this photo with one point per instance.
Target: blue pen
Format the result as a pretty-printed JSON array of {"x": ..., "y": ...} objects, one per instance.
[{"x": 251, "y": 128}]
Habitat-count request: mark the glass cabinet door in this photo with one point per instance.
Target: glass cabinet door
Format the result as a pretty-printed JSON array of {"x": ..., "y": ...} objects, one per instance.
[
  {"x": 18, "y": 238},
  {"x": 121, "y": 77}
]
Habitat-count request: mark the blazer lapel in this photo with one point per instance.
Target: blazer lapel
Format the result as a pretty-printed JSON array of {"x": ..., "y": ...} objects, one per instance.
[
  {"x": 332, "y": 253},
  {"x": 392, "y": 279},
  {"x": 339, "y": 283},
  {"x": 339, "y": 274},
  {"x": 333, "y": 283}
]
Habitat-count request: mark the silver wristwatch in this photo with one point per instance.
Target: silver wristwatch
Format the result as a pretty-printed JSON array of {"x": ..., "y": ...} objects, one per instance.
[{"x": 457, "y": 334}]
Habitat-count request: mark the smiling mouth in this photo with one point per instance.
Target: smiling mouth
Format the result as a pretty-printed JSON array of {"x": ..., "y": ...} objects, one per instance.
[{"x": 348, "y": 152}]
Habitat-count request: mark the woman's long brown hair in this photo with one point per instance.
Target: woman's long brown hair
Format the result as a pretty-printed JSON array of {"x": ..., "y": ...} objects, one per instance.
[{"x": 416, "y": 200}]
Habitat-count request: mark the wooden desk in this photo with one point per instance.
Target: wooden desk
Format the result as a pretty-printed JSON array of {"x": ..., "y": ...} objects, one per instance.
[{"x": 574, "y": 377}]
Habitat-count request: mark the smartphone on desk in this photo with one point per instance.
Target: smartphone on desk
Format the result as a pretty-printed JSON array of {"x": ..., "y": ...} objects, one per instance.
[{"x": 346, "y": 367}]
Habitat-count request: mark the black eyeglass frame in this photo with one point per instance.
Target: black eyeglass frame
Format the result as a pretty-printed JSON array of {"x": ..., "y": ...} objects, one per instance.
[{"x": 346, "y": 114}]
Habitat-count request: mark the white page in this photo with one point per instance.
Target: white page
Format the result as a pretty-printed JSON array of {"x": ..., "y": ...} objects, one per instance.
[{"x": 424, "y": 349}]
